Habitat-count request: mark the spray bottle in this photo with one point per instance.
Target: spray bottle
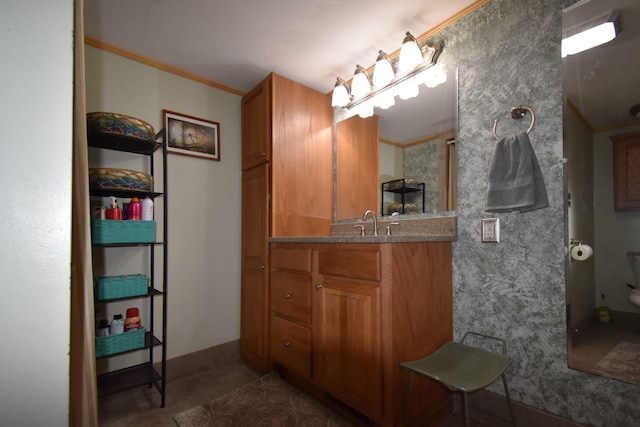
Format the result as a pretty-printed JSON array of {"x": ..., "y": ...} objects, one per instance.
[
  {"x": 147, "y": 209},
  {"x": 134, "y": 210}
]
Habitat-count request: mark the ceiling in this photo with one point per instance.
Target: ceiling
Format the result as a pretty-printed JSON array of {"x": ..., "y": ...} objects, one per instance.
[{"x": 236, "y": 43}]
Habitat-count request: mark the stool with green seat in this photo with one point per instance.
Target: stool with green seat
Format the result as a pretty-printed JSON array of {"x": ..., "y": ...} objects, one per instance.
[{"x": 462, "y": 368}]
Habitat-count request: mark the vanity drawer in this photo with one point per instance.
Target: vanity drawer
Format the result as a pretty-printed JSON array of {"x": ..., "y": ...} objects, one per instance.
[
  {"x": 291, "y": 345},
  {"x": 291, "y": 258},
  {"x": 291, "y": 295},
  {"x": 364, "y": 264}
]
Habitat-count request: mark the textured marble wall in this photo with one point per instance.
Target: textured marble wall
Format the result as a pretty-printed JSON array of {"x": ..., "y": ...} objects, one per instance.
[
  {"x": 508, "y": 53},
  {"x": 422, "y": 162}
]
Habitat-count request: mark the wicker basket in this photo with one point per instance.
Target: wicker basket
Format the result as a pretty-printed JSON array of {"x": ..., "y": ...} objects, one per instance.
[
  {"x": 130, "y": 285},
  {"x": 114, "y": 344},
  {"x": 120, "y": 179},
  {"x": 409, "y": 208},
  {"x": 106, "y": 231},
  {"x": 119, "y": 125}
]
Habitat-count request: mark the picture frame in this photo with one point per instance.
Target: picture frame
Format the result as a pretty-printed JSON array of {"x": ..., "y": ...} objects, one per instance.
[{"x": 191, "y": 136}]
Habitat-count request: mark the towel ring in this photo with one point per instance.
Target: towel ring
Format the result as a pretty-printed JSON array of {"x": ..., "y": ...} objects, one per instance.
[{"x": 517, "y": 113}]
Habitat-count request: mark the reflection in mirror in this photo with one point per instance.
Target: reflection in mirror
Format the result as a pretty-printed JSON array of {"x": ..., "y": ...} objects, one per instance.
[
  {"x": 600, "y": 87},
  {"x": 416, "y": 146}
]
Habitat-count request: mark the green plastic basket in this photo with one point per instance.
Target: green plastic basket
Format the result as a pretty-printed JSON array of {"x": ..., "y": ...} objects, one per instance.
[
  {"x": 105, "y": 231},
  {"x": 129, "y": 285},
  {"x": 114, "y": 344}
]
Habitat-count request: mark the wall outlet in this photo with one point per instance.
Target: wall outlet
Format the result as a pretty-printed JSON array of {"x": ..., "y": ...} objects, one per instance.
[{"x": 490, "y": 230}]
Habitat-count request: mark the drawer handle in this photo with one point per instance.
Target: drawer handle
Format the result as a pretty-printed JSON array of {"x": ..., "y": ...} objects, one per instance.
[
  {"x": 287, "y": 296},
  {"x": 287, "y": 344},
  {"x": 318, "y": 287}
]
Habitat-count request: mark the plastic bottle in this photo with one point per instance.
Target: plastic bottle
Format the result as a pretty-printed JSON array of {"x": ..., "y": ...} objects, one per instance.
[
  {"x": 132, "y": 322},
  {"x": 103, "y": 328},
  {"x": 114, "y": 212},
  {"x": 117, "y": 325},
  {"x": 134, "y": 210},
  {"x": 147, "y": 209}
]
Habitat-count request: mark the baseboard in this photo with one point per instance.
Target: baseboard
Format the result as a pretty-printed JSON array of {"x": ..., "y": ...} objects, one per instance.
[
  {"x": 491, "y": 409},
  {"x": 202, "y": 360}
]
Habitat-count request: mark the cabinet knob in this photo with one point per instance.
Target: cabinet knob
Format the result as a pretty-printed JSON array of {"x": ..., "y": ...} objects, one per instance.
[
  {"x": 262, "y": 267},
  {"x": 287, "y": 296},
  {"x": 262, "y": 153},
  {"x": 287, "y": 344},
  {"x": 318, "y": 287}
]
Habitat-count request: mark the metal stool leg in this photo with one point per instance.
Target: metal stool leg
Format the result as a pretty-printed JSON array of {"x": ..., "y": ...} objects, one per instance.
[
  {"x": 406, "y": 404},
  {"x": 506, "y": 392},
  {"x": 465, "y": 409}
]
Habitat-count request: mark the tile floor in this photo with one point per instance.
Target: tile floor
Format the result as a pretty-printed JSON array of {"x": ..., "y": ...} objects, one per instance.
[{"x": 141, "y": 407}]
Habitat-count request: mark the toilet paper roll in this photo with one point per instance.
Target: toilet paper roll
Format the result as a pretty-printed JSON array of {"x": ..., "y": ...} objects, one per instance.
[{"x": 581, "y": 252}]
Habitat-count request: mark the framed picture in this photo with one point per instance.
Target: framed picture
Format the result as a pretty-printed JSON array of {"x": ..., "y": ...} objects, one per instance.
[{"x": 191, "y": 136}]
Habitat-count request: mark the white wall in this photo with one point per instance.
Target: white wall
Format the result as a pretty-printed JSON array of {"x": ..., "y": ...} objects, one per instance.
[
  {"x": 35, "y": 188},
  {"x": 204, "y": 196}
]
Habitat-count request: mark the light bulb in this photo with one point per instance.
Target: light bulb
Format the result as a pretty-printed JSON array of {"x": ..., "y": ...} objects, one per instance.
[
  {"x": 360, "y": 85},
  {"x": 383, "y": 71},
  {"x": 340, "y": 97},
  {"x": 410, "y": 54}
]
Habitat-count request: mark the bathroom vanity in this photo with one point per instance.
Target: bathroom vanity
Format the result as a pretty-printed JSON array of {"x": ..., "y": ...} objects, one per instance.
[{"x": 344, "y": 315}]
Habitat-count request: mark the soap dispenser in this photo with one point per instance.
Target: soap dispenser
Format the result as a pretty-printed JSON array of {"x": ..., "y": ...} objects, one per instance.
[{"x": 114, "y": 212}]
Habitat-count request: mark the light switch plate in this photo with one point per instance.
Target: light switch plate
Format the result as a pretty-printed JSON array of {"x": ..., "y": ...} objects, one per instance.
[{"x": 490, "y": 230}]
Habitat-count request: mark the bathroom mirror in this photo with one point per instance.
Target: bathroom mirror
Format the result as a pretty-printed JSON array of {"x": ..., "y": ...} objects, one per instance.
[
  {"x": 416, "y": 140},
  {"x": 600, "y": 87}
]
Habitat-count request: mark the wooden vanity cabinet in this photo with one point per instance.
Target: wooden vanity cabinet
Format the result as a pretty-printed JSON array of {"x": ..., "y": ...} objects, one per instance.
[
  {"x": 287, "y": 190},
  {"x": 626, "y": 170},
  {"x": 372, "y": 307}
]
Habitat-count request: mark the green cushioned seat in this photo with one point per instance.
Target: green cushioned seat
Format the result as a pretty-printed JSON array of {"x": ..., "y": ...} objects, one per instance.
[{"x": 462, "y": 368}]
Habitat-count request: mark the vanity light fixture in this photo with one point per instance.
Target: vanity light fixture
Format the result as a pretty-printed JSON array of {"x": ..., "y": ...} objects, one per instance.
[
  {"x": 410, "y": 54},
  {"x": 594, "y": 32},
  {"x": 383, "y": 72},
  {"x": 380, "y": 90},
  {"x": 340, "y": 96},
  {"x": 361, "y": 83}
]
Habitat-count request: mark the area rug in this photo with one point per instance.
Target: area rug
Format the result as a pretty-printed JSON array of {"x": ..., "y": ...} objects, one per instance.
[
  {"x": 268, "y": 401},
  {"x": 622, "y": 362}
]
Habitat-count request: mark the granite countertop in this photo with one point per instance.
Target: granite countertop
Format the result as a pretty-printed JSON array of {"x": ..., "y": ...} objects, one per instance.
[
  {"x": 363, "y": 239},
  {"x": 432, "y": 229}
]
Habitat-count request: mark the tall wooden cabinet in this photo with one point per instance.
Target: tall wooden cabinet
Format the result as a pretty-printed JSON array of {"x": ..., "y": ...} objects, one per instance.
[
  {"x": 371, "y": 307},
  {"x": 287, "y": 164}
]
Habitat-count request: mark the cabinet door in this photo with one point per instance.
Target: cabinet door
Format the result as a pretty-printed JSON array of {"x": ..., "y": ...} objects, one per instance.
[
  {"x": 357, "y": 175},
  {"x": 626, "y": 157},
  {"x": 256, "y": 125},
  {"x": 347, "y": 345},
  {"x": 254, "y": 293}
]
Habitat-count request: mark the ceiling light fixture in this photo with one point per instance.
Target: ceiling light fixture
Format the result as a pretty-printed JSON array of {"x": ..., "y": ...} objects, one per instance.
[
  {"x": 594, "y": 32},
  {"x": 368, "y": 92}
]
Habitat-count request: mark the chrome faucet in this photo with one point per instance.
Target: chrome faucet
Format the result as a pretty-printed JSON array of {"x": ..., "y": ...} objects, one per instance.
[{"x": 375, "y": 220}]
